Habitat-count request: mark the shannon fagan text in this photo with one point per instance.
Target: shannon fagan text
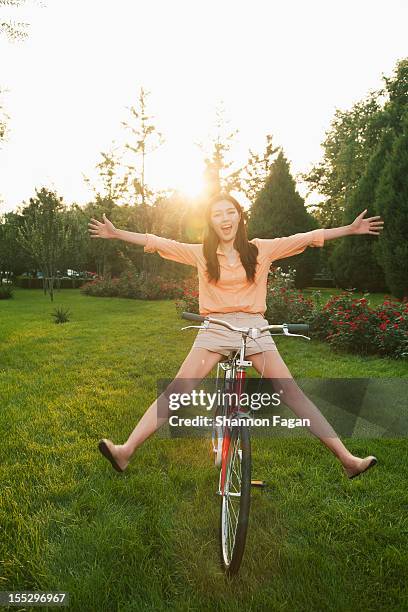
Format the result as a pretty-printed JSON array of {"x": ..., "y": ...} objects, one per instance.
[
  {"x": 206, "y": 421},
  {"x": 209, "y": 400}
]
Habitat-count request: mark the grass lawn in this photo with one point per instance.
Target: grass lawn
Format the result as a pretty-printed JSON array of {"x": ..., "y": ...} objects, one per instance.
[
  {"x": 326, "y": 292},
  {"x": 147, "y": 539}
]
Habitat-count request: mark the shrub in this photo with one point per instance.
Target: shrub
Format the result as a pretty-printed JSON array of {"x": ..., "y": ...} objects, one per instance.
[
  {"x": 391, "y": 325},
  {"x": 288, "y": 306},
  {"x": 133, "y": 285},
  {"x": 284, "y": 303},
  {"x": 129, "y": 285},
  {"x": 277, "y": 278},
  {"x": 61, "y": 315},
  {"x": 101, "y": 288},
  {"x": 6, "y": 292},
  {"x": 348, "y": 323},
  {"x": 158, "y": 288},
  {"x": 188, "y": 301}
]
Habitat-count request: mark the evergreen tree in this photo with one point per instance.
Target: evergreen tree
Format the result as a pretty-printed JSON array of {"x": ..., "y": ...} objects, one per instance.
[
  {"x": 392, "y": 204},
  {"x": 353, "y": 261},
  {"x": 258, "y": 169},
  {"x": 357, "y": 262},
  {"x": 279, "y": 210}
]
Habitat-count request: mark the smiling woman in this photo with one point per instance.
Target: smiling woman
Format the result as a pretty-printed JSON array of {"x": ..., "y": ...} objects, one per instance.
[{"x": 232, "y": 272}]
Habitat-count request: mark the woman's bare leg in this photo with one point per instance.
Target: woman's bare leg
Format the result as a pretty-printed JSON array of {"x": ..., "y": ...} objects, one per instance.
[
  {"x": 198, "y": 363},
  {"x": 303, "y": 407}
]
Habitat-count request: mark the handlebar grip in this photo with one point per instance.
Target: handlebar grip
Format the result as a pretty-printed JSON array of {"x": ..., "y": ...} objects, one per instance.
[
  {"x": 298, "y": 328},
  {"x": 191, "y": 316}
]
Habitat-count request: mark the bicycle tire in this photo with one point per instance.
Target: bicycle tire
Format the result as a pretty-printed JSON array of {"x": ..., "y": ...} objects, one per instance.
[{"x": 231, "y": 559}]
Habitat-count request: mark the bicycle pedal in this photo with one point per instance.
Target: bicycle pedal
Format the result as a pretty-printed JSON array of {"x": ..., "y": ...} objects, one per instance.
[{"x": 258, "y": 483}]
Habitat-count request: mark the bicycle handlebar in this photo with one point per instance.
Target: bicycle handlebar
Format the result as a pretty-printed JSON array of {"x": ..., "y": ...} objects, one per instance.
[{"x": 292, "y": 328}]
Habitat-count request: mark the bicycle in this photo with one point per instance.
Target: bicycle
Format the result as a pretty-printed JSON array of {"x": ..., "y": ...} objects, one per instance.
[{"x": 231, "y": 443}]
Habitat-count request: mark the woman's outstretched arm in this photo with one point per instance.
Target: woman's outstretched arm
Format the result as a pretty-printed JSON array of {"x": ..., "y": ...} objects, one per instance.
[
  {"x": 371, "y": 225},
  {"x": 182, "y": 252},
  {"x": 287, "y": 246},
  {"x": 109, "y": 231}
]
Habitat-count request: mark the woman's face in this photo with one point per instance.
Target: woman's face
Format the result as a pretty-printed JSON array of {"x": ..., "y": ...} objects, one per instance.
[{"x": 225, "y": 219}]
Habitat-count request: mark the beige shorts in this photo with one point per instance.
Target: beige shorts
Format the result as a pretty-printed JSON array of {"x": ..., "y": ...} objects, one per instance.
[{"x": 222, "y": 340}]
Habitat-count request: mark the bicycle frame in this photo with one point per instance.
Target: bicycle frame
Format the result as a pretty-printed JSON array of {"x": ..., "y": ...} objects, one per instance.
[{"x": 235, "y": 375}]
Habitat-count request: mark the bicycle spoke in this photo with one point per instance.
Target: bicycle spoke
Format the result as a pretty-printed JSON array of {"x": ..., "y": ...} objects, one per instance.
[
  {"x": 232, "y": 487},
  {"x": 232, "y": 528}
]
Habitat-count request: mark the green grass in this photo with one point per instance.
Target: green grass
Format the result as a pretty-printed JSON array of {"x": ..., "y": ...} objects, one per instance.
[
  {"x": 147, "y": 539},
  {"x": 326, "y": 292}
]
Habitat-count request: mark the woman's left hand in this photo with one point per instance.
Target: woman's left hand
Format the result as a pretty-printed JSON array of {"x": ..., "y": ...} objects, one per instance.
[{"x": 371, "y": 225}]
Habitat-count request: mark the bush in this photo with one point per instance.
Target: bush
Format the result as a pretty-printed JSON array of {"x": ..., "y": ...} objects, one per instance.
[
  {"x": 60, "y": 315},
  {"x": 348, "y": 323},
  {"x": 391, "y": 321},
  {"x": 284, "y": 303},
  {"x": 65, "y": 282},
  {"x": 188, "y": 301},
  {"x": 133, "y": 285},
  {"x": 6, "y": 292},
  {"x": 277, "y": 278},
  {"x": 101, "y": 288},
  {"x": 158, "y": 288},
  {"x": 289, "y": 306}
]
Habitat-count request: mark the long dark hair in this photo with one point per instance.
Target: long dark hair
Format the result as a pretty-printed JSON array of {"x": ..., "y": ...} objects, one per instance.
[{"x": 247, "y": 251}]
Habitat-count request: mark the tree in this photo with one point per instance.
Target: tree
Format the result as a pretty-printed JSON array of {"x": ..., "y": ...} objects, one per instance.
[
  {"x": 103, "y": 253},
  {"x": 258, "y": 169},
  {"x": 13, "y": 259},
  {"x": 4, "y": 117},
  {"x": 348, "y": 146},
  {"x": 77, "y": 244},
  {"x": 13, "y": 30},
  {"x": 218, "y": 173},
  {"x": 111, "y": 176},
  {"x": 392, "y": 204},
  {"x": 145, "y": 140},
  {"x": 358, "y": 263},
  {"x": 45, "y": 235},
  {"x": 279, "y": 210},
  {"x": 353, "y": 261}
]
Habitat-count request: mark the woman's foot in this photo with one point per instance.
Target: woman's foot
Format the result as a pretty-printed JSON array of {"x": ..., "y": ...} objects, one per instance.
[
  {"x": 357, "y": 466},
  {"x": 115, "y": 453}
]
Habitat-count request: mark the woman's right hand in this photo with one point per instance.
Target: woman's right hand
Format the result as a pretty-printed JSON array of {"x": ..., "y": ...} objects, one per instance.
[{"x": 102, "y": 230}]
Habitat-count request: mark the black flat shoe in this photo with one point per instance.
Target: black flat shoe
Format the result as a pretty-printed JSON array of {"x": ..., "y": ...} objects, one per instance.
[
  {"x": 373, "y": 462},
  {"x": 104, "y": 448}
]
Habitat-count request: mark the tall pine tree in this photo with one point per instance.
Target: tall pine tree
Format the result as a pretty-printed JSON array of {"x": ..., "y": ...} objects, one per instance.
[
  {"x": 392, "y": 204},
  {"x": 353, "y": 261},
  {"x": 280, "y": 211},
  {"x": 360, "y": 262}
]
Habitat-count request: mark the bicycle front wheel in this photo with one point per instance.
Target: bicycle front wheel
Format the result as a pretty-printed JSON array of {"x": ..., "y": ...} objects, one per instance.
[{"x": 235, "y": 499}]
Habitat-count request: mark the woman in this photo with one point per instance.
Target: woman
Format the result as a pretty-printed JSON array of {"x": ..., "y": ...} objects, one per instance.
[{"x": 232, "y": 275}]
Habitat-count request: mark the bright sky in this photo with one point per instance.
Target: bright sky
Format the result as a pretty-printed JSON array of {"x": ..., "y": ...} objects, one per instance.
[{"x": 279, "y": 67}]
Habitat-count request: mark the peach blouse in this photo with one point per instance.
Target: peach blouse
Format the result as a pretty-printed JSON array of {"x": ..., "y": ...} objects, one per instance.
[{"x": 233, "y": 292}]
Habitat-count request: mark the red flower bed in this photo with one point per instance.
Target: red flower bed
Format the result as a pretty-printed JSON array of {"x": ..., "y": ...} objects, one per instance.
[{"x": 349, "y": 323}]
